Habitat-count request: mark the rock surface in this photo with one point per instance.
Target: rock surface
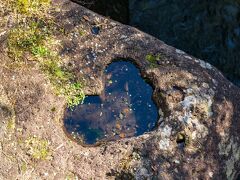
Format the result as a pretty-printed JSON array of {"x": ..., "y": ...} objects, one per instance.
[{"x": 197, "y": 136}]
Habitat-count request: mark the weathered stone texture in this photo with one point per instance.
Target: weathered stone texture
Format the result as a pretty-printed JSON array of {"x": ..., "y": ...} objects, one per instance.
[{"x": 199, "y": 109}]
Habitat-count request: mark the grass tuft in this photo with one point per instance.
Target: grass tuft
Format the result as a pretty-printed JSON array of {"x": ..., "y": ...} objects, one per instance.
[
  {"x": 64, "y": 83},
  {"x": 30, "y": 40},
  {"x": 26, "y": 38},
  {"x": 37, "y": 148},
  {"x": 11, "y": 124},
  {"x": 30, "y": 7}
]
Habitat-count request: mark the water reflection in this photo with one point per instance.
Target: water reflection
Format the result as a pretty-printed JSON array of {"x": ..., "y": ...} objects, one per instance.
[{"x": 124, "y": 109}]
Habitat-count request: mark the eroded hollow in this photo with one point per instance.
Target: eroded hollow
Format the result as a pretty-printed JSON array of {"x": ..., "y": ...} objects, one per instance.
[{"x": 124, "y": 109}]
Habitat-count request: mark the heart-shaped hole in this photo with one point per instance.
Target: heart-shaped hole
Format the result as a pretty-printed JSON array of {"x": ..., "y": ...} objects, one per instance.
[{"x": 124, "y": 109}]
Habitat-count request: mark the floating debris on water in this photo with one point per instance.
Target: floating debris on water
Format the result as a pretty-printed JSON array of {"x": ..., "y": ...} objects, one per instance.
[{"x": 124, "y": 109}]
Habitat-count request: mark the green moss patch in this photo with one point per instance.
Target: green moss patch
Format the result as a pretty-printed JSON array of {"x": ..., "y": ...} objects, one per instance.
[
  {"x": 37, "y": 148},
  {"x": 30, "y": 7},
  {"x": 153, "y": 59},
  {"x": 30, "y": 41}
]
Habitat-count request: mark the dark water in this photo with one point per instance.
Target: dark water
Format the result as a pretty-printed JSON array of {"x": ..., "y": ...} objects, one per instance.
[
  {"x": 124, "y": 109},
  {"x": 209, "y": 30}
]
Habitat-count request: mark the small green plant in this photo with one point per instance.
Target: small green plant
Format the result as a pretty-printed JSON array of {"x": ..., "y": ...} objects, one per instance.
[
  {"x": 30, "y": 7},
  {"x": 40, "y": 51},
  {"x": 37, "y": 148},
  {"x": 30, "y": 40},
  {"x": 24, "y": 167},
  {"x": 81, "y": 32},
  {"x": 64, "y": 84},
  {"x": 11, "y": 124},
  {"x": 55, "y": 72},
  {"x": 74, "y": 94},
  {"x": 153, "y": 59},
  {"x": 26, "y": 38}
]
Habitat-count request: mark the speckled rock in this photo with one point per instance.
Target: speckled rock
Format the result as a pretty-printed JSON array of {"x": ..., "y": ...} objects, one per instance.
[{"x": 197, "y": 136}]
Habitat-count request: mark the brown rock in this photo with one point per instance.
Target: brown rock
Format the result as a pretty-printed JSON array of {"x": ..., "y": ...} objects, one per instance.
[{"x": 194, "y": 97}]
